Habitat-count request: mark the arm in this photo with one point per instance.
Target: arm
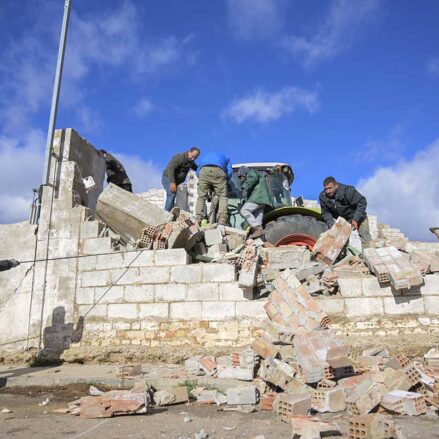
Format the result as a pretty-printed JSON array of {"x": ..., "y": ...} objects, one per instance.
[
  {"x": 250, "y": 182},
  {"x": 359, "y": 201},
  {"x": 7, "y": 264},
  {"x": 172, "y": 167},
  {"x": 194, "y": 166},
  {"x": 326, "y": 214}
]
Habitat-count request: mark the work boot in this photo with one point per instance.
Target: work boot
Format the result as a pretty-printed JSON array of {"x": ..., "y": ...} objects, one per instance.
[{"x": 258, "y": 231}]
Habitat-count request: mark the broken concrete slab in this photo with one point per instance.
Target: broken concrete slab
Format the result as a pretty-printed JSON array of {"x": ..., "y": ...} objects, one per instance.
[
  {"x": 128, "y": 214},
  {"x": 390, "y": 265},
  {"x": 365, "y": 398},
  {"x": 287, "y": 257},
  {"x": 405, "y": 403},
  {"x": 175, "y": 395},
  {"x": 242, "y": 395}
]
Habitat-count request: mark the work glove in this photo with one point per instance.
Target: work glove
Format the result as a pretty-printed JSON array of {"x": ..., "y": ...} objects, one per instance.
[{"x": 14, "y": 263}]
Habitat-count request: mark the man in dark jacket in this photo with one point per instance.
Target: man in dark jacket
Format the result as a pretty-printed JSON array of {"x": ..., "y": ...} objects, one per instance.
[
  {"x": 7, "y": 264},
  {"x": 116, "y": 173},
  {"x": 257, "y": 199},
  {"x": 213, "y": 173},
  {"x": 342, "y": 200},
  {"x": 176, "y": 172}
]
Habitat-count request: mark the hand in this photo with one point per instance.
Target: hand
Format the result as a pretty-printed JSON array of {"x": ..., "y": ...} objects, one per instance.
[
  {"x": 14, "y": 263},
  {"x": 173, "y": 188},
  {"x": 354, "y": 225}
]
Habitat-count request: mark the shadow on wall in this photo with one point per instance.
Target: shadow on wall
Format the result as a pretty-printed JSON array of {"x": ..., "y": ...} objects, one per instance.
[{"x": 59, "y": 337}]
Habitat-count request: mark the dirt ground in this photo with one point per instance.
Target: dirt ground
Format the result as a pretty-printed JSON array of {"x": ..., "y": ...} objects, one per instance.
[{"x": 29, "y": 420}]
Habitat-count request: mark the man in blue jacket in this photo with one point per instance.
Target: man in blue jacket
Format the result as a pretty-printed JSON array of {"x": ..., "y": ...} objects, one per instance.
[{"x": 213, "y": 172}]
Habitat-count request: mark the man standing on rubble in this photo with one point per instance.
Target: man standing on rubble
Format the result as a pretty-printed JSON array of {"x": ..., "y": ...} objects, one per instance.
[
  {"x": 213, "y": 173},
  {"x": 342, "y": 200},
  {"x": 7, "y": 264},
  {"x": 116, "y": 173},
  {"x": 176, "y": 172},
  {"x": 257, "y": 199}
]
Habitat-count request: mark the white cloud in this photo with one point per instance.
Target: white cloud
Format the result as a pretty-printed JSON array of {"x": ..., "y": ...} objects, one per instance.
[
  {"x": 433, "y": 66},
  {"x": 21, "y": 170},
  {"x": 388, "y": 149},
  {"x": 143, "y": 107},
  {"x": 255, "y": 19},
  {"x": 406, "y": 195},
  {"x": 144, "y": 174},
  {"x": 335, "y": 34},
  {"x": 263, "y": 106}
]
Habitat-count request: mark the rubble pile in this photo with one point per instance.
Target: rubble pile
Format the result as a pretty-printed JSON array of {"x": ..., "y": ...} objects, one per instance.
[
  {"x": 140, "y": 224},
  {"x": 299, "y": 368}
]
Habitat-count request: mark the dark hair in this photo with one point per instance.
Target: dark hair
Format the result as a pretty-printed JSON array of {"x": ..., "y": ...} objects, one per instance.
[
  {"x": 328, "y": 180},
  {"x": 194, "y": 148},
  {"x": 101, "y": 152}
]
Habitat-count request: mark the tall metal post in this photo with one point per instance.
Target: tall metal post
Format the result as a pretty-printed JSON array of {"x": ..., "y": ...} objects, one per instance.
[{"x": 56, "y": 88}]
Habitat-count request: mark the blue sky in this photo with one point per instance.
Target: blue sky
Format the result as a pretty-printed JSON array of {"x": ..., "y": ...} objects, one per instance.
[{"x": 337, "y": 87}]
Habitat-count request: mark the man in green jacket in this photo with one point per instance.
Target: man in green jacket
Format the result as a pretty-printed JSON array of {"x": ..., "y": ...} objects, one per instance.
[
  {"x": 257, "y": 199},
  {"x": 176, "y": 172}
]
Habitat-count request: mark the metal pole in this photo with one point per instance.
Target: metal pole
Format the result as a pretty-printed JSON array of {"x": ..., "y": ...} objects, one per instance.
[{"x": 56, "y": 88}]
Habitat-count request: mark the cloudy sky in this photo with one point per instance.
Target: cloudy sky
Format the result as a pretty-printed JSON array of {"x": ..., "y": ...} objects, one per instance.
[{"x": 337, "y": 87}]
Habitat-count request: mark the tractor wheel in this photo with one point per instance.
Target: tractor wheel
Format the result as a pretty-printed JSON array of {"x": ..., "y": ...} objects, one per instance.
[{"x": 295, "y": 230}]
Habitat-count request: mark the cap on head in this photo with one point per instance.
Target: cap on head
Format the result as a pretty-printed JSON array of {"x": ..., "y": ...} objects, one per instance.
[{"x": 242, "y": 171}]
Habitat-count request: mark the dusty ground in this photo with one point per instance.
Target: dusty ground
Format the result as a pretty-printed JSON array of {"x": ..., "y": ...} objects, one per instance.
[{"x": 29, "y": 420}]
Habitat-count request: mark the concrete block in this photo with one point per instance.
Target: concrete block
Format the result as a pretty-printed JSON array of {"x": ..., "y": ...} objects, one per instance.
[
  {"x": 138, "y": 293},
  {"x": 403, "y": 305},
  {"x": 170, "y": 292},
  {"x": 153, "y": 310},
  {"x": 172, "y": 257},
  {"x": 235, "y": 373},
  {"x": 329, "y": 400},
  {"x": 87, "y": 263},
  {"x": 95, "y": 278},
  {"x": 230, "y": 291},
  {"x": 185, "y": 311},
  {"x": 365, "y": 398},
  {"x": 203, "y": 291},
  {"x": 218, "y": 272},
  {"x": 431, "y": 285},
  {"x": 129, "y": 214},
  {"x": 361, "y": 307},
  {"x": 253, "y": 309},
  {"x": 281, "y": 258},
  {"x": 431, "y": 305},
  {"x": 313, "y": 268},
  {"x": 94, "y": 246},
  {"x": 218, "y": 310},
  {"x": 112, "y": 295},
  {"x": 144, "y": 258},
  {"x": 187, "y": 274},
  {"x": 332, "y": 305},
  {"x": 122, "y": 311},
  {"x": 242, "y": 395},
  {"x": 124, "y": 276},
  {"x": 212, "y": 237},
  {"x": 91, "y": 229},
  {"x": 372, "y": 288},
  {"x": 248, "y": 274},
  {"x": 350, "y": 286},
  {"x": 85, "y": 295},
  {"x": 216, "y": 250},
  {"x": 93, "y": 311},
  {"x": 405, "y": 403},
  {"x": 107, "y": 262},
  {"x": 154, "y": 275}
]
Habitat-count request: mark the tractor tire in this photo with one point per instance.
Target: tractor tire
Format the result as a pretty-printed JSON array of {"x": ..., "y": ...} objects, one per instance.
[{"x": 295, "y": 230}]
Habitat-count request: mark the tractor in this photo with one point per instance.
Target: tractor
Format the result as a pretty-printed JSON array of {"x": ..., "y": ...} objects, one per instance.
[{"x": 289, "y": 223}]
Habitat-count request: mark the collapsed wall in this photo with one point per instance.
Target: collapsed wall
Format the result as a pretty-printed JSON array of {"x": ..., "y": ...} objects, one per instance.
[{"x": 116, "y": 294}]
